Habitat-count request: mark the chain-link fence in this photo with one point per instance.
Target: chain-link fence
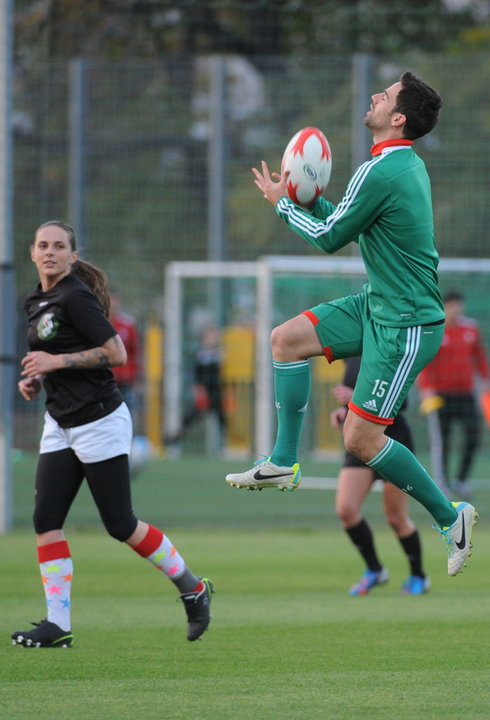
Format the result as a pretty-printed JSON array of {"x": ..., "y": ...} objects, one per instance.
[{"x": 151, "y": 162}]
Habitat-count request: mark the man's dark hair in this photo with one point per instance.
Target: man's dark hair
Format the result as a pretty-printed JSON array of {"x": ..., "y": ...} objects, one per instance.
[
  {"x": 453, "y": 295},
  {"x": 419, "y": 103}
]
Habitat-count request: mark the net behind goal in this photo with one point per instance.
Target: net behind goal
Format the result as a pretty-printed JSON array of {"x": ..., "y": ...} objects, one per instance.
[{"x": 245, "y": 301}]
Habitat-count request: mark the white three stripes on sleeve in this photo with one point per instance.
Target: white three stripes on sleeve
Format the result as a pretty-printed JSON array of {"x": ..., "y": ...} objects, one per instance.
[{"x": 316, "y": 229}]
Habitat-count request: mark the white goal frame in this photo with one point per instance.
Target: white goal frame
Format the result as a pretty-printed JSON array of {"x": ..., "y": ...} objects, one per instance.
[
  {"x": 175, "y": 273},
  {"x": 264, "y": 271}
]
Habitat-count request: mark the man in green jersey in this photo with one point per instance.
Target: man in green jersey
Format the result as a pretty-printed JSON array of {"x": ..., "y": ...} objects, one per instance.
[{"x": 396, "y": 323}]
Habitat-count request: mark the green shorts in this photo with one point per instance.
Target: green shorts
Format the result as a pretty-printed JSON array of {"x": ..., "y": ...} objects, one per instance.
[{"x": 391, "y": 357}]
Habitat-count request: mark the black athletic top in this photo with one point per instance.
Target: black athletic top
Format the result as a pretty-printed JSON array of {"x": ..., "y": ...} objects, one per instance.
[{"x": 67, "y": 319}]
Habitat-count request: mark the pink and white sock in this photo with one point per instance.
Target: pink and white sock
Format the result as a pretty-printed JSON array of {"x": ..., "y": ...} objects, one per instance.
[
  {"x": 56, "y": 568},
  {"x": 157, "y": 548}
]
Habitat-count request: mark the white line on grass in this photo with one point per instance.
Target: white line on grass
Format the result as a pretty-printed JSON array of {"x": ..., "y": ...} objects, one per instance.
[{"x": 329, "y": 483}]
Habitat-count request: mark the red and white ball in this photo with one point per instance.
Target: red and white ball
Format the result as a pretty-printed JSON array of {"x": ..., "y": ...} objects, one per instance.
[{"x": 308, "y": 159}]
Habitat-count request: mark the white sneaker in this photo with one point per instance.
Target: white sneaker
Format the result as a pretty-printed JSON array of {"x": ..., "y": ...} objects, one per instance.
[
  {"x": 457, "y": 537},
  {"x": 265, "y": 474}
]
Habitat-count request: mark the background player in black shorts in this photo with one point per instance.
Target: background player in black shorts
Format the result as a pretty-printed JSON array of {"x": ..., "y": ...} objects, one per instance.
[
  {"x": 355, "y": 482},
  {"x": 87, "y": 433}
]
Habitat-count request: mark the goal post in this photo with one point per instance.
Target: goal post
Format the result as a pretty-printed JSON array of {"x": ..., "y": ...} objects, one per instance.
[{"x": 175, "y": 274}]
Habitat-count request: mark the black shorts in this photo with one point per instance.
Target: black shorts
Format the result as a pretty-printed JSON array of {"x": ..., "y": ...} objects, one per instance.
[{"x": 399, "y": 431}]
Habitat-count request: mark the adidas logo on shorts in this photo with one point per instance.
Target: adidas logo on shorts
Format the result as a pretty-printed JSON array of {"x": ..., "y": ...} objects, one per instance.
[{"x": 370, "y": 405}]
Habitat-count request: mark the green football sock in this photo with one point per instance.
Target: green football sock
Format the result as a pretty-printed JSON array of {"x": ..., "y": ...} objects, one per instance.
[
  {"x": 399, "y": 465},
  {"x": 292, "y": 382}
]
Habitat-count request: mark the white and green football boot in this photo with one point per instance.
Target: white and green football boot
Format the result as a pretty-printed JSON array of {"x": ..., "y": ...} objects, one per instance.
[
  {"x": 457, "y": 537},
  {"x": 266, "y": 474}
]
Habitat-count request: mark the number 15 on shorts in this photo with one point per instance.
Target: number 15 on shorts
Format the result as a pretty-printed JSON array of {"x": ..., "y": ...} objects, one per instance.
[{"x": 379, "y": 388}]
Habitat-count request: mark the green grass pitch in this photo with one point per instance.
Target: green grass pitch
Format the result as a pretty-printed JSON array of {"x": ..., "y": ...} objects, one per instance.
[{"x": 286, "y": 641}]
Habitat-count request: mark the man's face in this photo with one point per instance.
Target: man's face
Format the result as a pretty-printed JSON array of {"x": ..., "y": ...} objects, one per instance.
[
  {"x": 380, "y": 115},
  {"x": 454, "y": 310}
]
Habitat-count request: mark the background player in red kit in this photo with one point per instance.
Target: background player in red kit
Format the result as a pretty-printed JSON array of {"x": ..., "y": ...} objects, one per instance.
[
  {"x": 451, "y": 377},
  {"x": 126, "y": 375}
]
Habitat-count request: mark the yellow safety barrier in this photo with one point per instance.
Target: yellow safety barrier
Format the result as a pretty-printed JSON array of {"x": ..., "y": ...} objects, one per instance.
[
  {"x": 237, "y": 375},
  {"x": 153, "y": 384},
  {"x": 325, "y": 376}
]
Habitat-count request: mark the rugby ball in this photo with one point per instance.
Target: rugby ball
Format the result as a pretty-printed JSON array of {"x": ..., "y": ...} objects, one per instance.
[{"x": 308, "y": 159}]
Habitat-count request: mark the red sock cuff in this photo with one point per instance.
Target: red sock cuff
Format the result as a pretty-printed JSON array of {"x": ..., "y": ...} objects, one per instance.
[
  {"x": 53, "y": 551},
  {"x": 151, "y": 541}
]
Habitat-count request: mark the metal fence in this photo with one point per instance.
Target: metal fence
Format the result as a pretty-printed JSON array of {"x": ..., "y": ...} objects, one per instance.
[{"x": 150, "y": 161}]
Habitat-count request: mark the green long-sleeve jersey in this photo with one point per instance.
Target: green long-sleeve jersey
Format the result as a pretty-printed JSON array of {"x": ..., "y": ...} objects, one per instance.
[{"x": 387, "y": 208}]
